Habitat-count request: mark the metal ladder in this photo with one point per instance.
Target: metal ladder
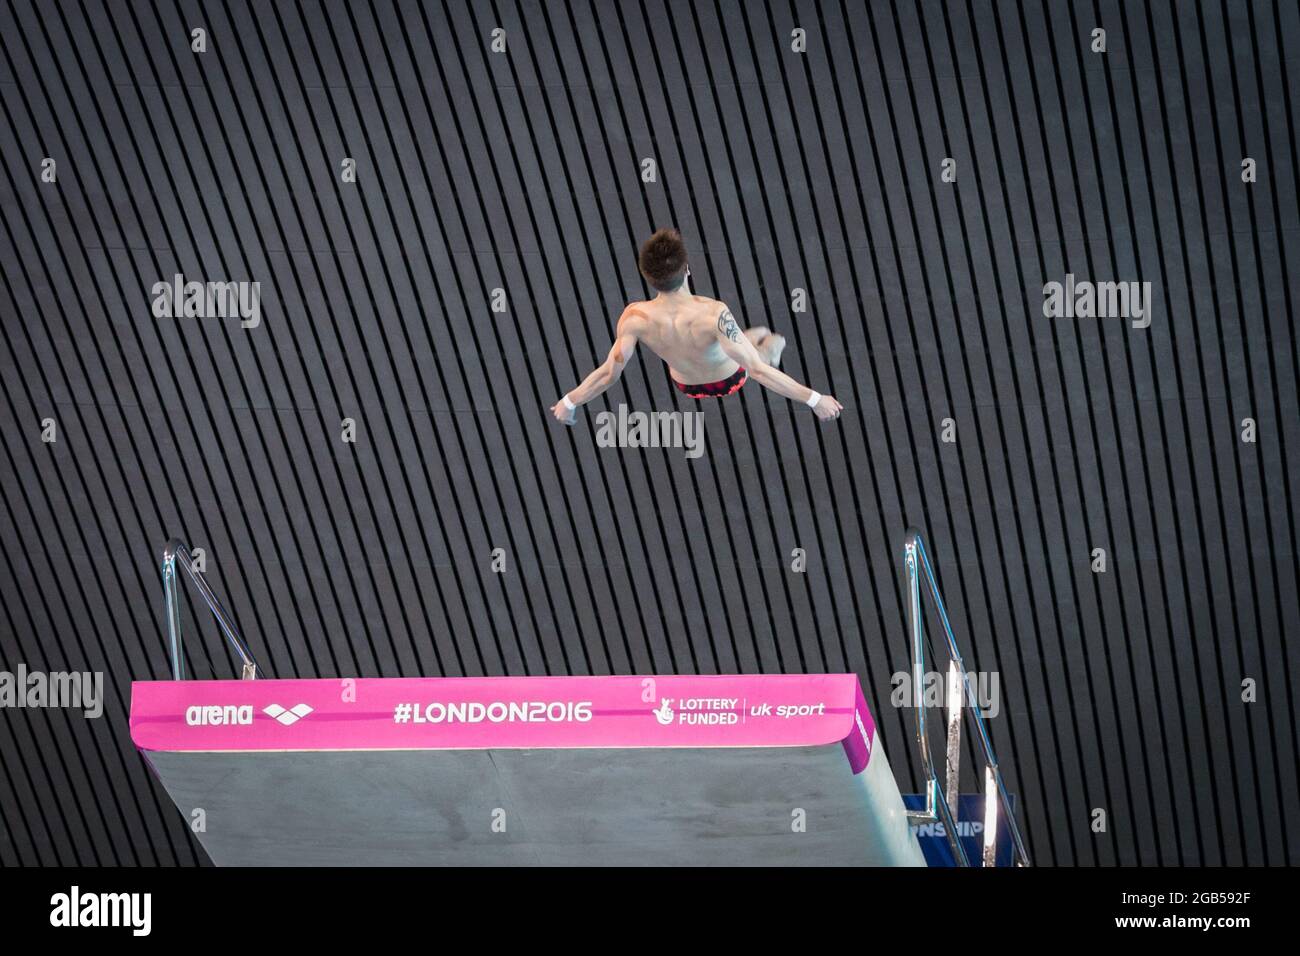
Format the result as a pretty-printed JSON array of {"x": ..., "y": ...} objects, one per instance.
[
  {"x": 941, "y": 807},
  {"x": 176, "y": 548}
]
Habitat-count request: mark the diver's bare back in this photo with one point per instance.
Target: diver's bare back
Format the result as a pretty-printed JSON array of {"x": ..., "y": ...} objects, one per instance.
[{"x": 684, "y": 335}]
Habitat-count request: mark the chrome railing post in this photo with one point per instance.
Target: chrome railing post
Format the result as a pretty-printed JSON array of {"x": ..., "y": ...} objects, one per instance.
[
  {"x": 990, "y": 819},
  {"x": 937, "y": 805},
  {"x": 936, "y": 809},
  {"x": 173, "y": 610},
  {"x": 918, "y": 648},
  {"x": 953, "y": 751},
  {"x": 178, "y": 549}
]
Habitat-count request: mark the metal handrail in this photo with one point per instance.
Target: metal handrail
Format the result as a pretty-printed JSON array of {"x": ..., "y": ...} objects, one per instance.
[
  {"x": 915, "y": 557},
  {"x": 177, "y": 547}
]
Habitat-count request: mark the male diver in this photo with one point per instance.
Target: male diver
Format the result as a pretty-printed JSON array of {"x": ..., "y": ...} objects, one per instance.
[{"x": 707, "y": 353}]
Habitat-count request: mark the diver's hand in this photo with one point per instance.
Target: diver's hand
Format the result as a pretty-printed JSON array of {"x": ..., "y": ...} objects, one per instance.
[
  {"x": 564, "y": 415},
  {"x": 828, "y": 408}
]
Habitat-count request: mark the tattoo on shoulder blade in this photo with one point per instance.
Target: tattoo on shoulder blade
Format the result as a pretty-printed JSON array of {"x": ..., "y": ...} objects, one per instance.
[{"x": 727, "y": 325}]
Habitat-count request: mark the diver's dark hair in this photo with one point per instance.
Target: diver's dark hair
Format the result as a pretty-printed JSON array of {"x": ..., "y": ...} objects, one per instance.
[{"x": 662, "y": 260}]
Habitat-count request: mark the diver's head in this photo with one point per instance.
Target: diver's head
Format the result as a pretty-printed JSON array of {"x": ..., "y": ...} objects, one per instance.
[{"x": 662, "y": 260}]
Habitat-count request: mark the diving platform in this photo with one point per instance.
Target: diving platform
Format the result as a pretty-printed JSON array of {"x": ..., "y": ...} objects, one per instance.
[{"x": 503, "y": 771}]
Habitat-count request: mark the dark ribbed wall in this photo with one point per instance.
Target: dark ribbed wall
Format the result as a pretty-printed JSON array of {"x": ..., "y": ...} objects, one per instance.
[{"x": 521, "y": 171}]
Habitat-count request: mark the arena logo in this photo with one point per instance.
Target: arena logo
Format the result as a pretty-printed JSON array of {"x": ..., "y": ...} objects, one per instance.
[
  {"x": 208, "y": 300},
  {"x": 287, "y": 716},
  {"x": 651, "y": 430},
  {"x": 1083, "y": 299},
  {"x": 76, "y": 909},
  {"x": 219, "y": 715},
  {"x": 77, "y": 689}
]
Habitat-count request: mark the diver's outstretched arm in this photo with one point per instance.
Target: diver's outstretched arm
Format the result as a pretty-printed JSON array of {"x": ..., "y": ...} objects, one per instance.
[
  {"x": 601, "y": 377},
  {"x": 745, "y": 354}
]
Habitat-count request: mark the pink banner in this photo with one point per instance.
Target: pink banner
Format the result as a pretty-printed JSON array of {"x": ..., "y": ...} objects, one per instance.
[{"x": 433, "y": 713}]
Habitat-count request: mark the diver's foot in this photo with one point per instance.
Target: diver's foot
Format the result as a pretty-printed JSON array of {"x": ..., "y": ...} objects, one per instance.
[{"x": 772, "y": 347}]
